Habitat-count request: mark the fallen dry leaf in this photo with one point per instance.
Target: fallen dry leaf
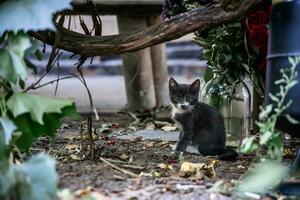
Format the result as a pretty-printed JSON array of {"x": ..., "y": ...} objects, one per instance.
[
  {"x": 160, "y": 124},
  {"x": 72, "y": 146},
  {"x": 83, "y": 192},
  {"x": 88, "y": 193},
  {"x": 287, "y": 153},
  {"x": 135, "y": 139},
  {"x": 132, "y": 128},
  {"x": 124, "y": 156},
  {"x": 191, "y": 167},
  {"x": 165, "y": 166},
  {"x": 130, "y": 160},
  {"x": 75, "y": 157},
  {"x": 115, "y": 125},
  {"x": 169, "y": 128},
  {"x": 150, "y": 126},
  {"x": 149, "y": 145},
  {"x": 210, "y": 168}
]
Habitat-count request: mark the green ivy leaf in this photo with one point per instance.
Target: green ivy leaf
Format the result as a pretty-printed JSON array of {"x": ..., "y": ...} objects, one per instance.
[
  {"x": 35, "y": 45},
  {"x": 12, "y": 65},
  {"x": 29, "y": 14},
  {"x": 36, "y": 106},
  {"x": 31, "y": 111},
  {"x": 28, "y": 182},
  {"x": 8, "y": 128}
]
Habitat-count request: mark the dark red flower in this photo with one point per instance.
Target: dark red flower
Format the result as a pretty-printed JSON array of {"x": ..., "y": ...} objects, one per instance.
[{"x": 257, "y": 28}]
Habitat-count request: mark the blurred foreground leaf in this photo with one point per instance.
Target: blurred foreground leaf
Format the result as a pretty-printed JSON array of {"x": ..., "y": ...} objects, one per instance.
[
  {"x": 265, "y": 176},
  {"x": 28, "y": 15},
  {"x": 29, "y": 181},
  {"x": 12, "y": 66}
]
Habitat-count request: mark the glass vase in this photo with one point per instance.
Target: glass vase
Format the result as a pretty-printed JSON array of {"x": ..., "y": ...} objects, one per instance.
[{"x": 234, "y": 103}]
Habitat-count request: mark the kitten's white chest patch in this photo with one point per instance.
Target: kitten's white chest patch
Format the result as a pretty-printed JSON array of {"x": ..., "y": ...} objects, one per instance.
[{"x": 175, "y": 111}]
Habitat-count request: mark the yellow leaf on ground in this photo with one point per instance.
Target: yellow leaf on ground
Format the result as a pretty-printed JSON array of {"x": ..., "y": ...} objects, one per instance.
[{"x": 191, "y": 167}]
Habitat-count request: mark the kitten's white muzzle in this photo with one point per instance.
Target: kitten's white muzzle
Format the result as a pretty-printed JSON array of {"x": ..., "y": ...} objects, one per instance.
[{"x": 183, "y": 105}]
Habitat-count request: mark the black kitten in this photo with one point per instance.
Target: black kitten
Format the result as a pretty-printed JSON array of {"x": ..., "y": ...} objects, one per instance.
[{"x": 201, "y": 125}]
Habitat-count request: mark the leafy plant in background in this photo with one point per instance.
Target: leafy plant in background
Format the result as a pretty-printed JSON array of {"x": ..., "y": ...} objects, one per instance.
[
  {"x": 233, "y": 50},
  {"x": 227, "y": 59},
  {"x": 25, "y": 117},
  {"x": 268, "y": 116},
  {"x": 260, "y": 178}
]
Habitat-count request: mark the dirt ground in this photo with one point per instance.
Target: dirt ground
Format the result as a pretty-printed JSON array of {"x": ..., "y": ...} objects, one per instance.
[{"x": 134, "y": 168}]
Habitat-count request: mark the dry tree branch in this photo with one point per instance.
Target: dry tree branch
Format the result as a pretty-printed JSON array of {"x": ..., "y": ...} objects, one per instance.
[
  {"x": 50, "y": 82},
  {"x": 216, "y": 13},
  {"x": 34, "y": 85}
]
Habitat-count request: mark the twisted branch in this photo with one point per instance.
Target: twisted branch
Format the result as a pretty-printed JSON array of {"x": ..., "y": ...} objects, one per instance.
[{"x": 216, "y": 13}]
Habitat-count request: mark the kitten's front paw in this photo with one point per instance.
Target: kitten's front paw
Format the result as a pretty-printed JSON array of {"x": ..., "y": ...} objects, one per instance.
[
  {"x": 192, "y": 150},
  {"x": 178, "y": 153}
]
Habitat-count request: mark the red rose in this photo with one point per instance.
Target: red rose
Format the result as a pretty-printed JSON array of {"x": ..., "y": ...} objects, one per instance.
[
  {"x": 257, "y": 17},
  {"x": 258, "y": 35},
  {"x": 257, "y": 28}
]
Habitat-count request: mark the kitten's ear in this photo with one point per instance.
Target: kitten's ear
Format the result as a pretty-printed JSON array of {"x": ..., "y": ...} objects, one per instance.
[
  {"x": 172, "y": 83},
  {"x": 195, "y": 86}
]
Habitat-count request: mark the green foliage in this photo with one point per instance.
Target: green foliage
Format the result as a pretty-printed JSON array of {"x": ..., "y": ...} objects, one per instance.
[
  {"x": 7, "y": 128},
  {"x": 28, "y": 182},
  {"x": 28, "y": 15},
  {"x": 20, "y": 103},
  {"x": 268, "y": 116},
  {"x": 12, "y": 65},
  {"x": 261, "y": 179},
  {"x": 25, "y": 117},
  {"x": 225, "y": 52},
  {"x": 32, "y": 129}
]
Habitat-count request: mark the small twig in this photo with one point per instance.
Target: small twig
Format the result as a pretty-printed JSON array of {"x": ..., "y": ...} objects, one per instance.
[
  {"x": 58, "y": 76},
  {"x": 33, "y": 86},
  {"x": 119, "y": 169},
  {"x": 55, "y": 50},
  {"x": 81, "y": 134},
  {"x": 19, "y": 153},
  {"x": 91, "y": 139},
  {"x": 53, "y": 81},
  {"x": 133, "y": 116},
  {"x": 116, "y": 161},
  {"x": 133, "y": 167},
  {"x": 69, "y": 24}
]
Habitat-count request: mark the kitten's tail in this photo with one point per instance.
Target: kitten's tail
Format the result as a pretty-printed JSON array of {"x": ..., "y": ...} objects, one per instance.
[{"x": 228, "y": 154}]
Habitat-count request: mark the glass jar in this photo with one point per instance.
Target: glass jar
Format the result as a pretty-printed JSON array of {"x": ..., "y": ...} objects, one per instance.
[{"x": 234, "y": 103}]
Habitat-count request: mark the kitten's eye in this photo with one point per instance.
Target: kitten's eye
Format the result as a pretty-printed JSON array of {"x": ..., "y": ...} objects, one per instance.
[
  {"x": 177, "y": 98},
  {"x": 189, "y": 98}
]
